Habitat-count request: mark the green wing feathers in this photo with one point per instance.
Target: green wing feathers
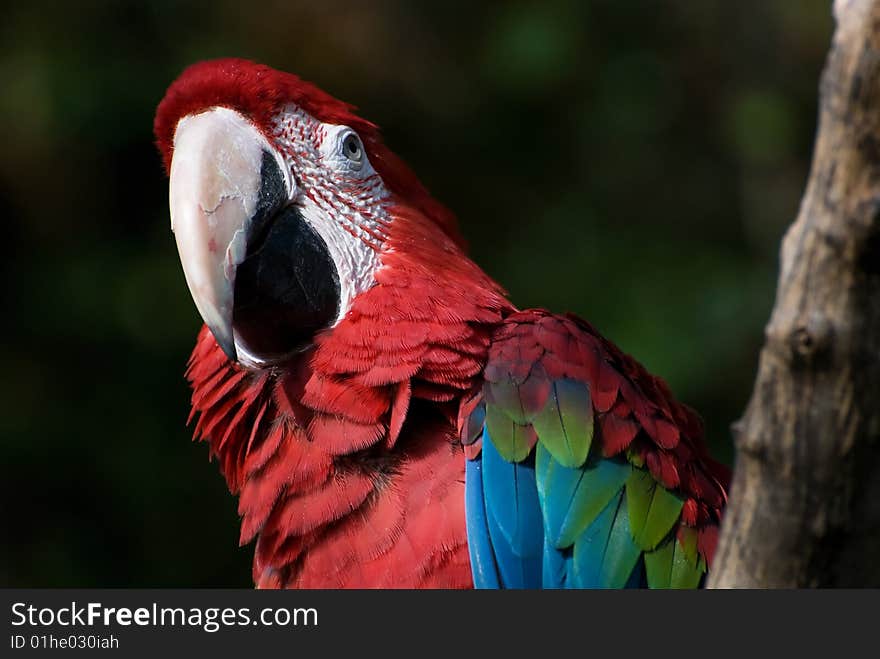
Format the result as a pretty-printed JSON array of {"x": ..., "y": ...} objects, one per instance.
[{"x": 622, "y": 474}]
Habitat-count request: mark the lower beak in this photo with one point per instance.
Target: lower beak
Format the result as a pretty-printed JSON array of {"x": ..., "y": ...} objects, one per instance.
[{"x": 225, "y": 178}]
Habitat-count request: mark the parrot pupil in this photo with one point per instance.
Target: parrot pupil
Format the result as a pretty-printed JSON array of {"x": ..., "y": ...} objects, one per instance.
[
  {"x": 352, "y": 148},
  {"x": 287, "y": 288}
]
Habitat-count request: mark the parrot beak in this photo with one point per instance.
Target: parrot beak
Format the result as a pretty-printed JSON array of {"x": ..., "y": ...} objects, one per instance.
[{"x": 225, "y": 178}]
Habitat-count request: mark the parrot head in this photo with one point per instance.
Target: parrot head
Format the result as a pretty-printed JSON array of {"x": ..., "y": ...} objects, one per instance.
[{"x": 282, "y": 201}]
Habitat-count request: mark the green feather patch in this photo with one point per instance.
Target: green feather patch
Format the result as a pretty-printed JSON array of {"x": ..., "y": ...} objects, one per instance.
[
  {"x": 635, "y": 459},
  {"x": 565, "y": 424},
  {"x": 505, "y": 395},
  {"x": 622, "y": 553},
  {"x": 688, "y": 541},
  {"x": 512, "y": 441},
  {"x": 652, "y": 509},
  {"x": 658, "y": 564},
  {"x": 675, "y": 563},
  {"x": 688, "y": 567}
]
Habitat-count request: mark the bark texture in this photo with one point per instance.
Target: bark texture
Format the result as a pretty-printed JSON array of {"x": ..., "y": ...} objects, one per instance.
[{"x": 805, "y": 500}]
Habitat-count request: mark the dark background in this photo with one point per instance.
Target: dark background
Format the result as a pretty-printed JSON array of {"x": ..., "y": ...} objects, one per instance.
[{"x": 634, "y": 162}]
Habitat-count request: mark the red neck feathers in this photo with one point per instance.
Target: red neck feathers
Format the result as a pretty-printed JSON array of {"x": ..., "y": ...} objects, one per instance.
[{"x": 341, "y": 457}]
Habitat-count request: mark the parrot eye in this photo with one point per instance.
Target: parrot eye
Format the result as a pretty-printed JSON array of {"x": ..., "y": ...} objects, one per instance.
[
  {"x": 352, "y": 149},
  {"x": 341, "y": 149}
]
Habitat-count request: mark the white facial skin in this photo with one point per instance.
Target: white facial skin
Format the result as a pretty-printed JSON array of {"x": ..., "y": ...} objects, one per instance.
[
  {"x": 214, "y": 189},
  {"x": 341, "y": 196}
]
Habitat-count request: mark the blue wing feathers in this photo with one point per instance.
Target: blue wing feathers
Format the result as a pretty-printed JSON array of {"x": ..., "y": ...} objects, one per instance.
[
  {"x": 558, "y": 567},
  {"x": 518, "y": 513},
  {"x": 482, "y": 556},
  {"x": 516, "y": 571},
  {"x": 572, "y": 498},
  {"x": 557, "y": 489},
  {"x": 589, "y": 549},
  {"x": 514, "y": 517}
]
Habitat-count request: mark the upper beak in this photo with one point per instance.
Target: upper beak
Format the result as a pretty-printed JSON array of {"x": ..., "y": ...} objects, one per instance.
[{"x": 216, "y": 190}]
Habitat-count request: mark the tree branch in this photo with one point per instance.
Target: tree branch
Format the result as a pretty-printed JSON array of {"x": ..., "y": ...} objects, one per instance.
[{"x": 805, "y": 500}]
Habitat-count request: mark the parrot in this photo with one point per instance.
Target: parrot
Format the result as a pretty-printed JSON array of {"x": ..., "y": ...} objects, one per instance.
[{"x": 385, "y": 415}]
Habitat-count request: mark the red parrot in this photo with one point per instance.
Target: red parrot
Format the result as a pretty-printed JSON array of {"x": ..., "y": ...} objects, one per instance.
[{"x": 385, "y": 415}]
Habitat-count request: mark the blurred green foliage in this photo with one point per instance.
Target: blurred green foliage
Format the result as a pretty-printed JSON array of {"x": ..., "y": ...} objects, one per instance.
[{"x": 634, "y": 162}]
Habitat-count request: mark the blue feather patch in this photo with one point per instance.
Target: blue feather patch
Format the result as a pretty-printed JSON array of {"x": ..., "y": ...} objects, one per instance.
[
  {"x": 514, "y": 517},
  {"x": 482, "y": 556},
  {"x": 573, "y": 498},
  {"x": 558, "y": 567}
]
